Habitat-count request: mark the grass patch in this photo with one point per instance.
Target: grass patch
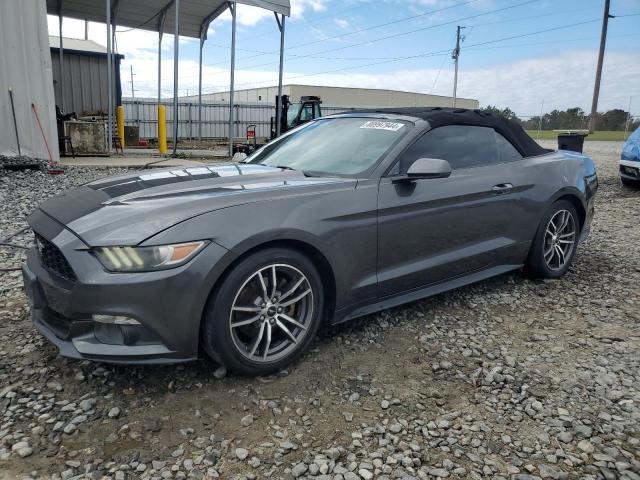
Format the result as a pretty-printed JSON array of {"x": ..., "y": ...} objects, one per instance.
[{"x": 595, "y": 136}]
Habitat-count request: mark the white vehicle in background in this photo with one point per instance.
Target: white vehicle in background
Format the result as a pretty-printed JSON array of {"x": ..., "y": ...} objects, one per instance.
[{"x": 630, "y": 161}]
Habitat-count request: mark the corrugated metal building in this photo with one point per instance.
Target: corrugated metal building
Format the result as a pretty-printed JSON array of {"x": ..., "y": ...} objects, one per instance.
[
  {"x": 26, "y": 69},
  {"x": 342, "y": 97},
  {"x": 85, "y": 76}
]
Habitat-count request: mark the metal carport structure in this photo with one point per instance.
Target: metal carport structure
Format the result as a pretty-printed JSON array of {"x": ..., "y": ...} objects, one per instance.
[{"x": 189, "y": 18}]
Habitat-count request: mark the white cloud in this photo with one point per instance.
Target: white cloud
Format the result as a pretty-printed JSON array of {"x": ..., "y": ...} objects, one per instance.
[
  {"x": 562, "y": 80},
  {"x": 298, "y": 7},
  {"x": 341, "y": 22}
]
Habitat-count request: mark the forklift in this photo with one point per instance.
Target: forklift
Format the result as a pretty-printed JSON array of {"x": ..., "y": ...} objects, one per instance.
[
  {"x": 295, "y": 113},
  {"x": 292, "y": 114}
]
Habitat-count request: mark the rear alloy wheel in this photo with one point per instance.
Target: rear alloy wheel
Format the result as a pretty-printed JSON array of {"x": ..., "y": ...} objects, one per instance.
[
  {"x": 559, "y": 240},
  {"x": 556, "y": 241},
  {"x": 265, "y": 312}
]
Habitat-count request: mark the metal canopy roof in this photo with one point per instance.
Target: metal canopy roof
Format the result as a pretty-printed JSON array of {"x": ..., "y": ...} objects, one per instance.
[{"x": 195, "y": 15}]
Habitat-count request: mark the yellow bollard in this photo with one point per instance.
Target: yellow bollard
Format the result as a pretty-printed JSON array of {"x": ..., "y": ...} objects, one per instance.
[
  {"x": 162, "y": 130},
  {"x": 120, "y": 123}
]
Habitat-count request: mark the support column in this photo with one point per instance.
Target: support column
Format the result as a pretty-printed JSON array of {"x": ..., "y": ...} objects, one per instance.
[
  {"x": 203, "y": 37},
  {"x": 114, "y": 65},
  {"x": 162, "y": 114},
  {"x": 61, "y": 50},
  {"x": 176, "y": 43},
  {"x": 109, "y": 79},
  {"x": 232, "y": 7},
  {"x": 279, "y": 102}
]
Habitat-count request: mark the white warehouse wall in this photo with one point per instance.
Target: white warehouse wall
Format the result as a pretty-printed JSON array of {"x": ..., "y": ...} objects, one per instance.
[
  {"x": 341, "y": 97},
  {"x": 26, "y": 68}
]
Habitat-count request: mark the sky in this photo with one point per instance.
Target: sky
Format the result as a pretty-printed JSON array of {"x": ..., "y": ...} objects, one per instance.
[{"x": 528, "y": 55}]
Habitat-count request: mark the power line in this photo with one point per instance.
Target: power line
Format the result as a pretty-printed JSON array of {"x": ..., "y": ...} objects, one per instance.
[
  {"x": 444, "y": 54},
  {"x": 396, "y": 35},
  {"x": 295, "y": 22},
  {"x": 529, "y": 17},
  {"x": 393, "y": 59},
  {"x": 372, "y": 27},
  {"x": 428, "y": 54},
  {"x": 444, "y": 59},
  {"x": 554, "y": 42}
]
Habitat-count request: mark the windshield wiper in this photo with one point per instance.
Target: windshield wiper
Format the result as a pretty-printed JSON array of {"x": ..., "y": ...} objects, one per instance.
[{"x": 286, "y": 167}]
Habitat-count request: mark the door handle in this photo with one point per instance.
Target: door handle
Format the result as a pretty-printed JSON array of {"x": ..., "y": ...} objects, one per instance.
[{"x": 502, "y": 188}]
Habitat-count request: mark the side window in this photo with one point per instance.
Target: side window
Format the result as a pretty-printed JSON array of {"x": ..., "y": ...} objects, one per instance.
[
  {"x": 461, "y": 145},
  {"x": 307, "y": 112},
  {"x": 506, "y": 151}
]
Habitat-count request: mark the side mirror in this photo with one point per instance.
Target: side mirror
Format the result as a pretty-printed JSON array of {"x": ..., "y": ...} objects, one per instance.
[{"x": 429, "y": 168}]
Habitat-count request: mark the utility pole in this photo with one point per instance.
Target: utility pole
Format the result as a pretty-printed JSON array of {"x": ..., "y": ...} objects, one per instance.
[
  {"x": 86, "y": 29},
  {"x": 596, "y": 87},
  {"x": 455, "y": 55},
  {"x": 133, "y": 95},
  {"x": 540, "y": 118},
  {"x": 628, "y": 122}
]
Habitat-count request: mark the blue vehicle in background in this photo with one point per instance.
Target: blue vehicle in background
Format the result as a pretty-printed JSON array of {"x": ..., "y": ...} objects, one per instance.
[{"x": 630, "y": 161}]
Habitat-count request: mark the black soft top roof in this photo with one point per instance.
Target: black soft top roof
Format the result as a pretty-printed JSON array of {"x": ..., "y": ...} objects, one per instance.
[{"x": 439, "y": 116}]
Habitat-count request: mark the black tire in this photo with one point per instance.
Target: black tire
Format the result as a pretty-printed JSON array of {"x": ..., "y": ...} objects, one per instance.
[
  {"x": 536, "y": 265},
  {"x": 226, "y": 344},
  {"x": 630, "y": 183}
]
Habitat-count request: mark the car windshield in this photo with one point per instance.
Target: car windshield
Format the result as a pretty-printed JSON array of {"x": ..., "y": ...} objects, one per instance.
[{"x": 333, "y": 146}]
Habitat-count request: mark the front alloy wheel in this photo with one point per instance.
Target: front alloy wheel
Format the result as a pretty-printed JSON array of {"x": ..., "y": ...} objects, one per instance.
[
  {"x": 264, "y": 312},
  {"x": 271, "y": 313}
]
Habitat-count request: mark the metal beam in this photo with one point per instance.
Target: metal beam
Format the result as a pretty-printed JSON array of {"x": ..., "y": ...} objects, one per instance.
[
  {"x": 109, "y": 79},
  {"x": 114, "y": 8},
  {"x": 204, "y": 27},
  {"x": 61, "y": 57},
  {"x": 162, "y": 15},
  {"x": 202, "y": 39},
  {"x": 280, "y": 73},
  {"x": 232, "y": 7},
  {"x": 161, "y": 19},
  {"x": 115, "y": 75},
  {"x": 176, "y": 43}
]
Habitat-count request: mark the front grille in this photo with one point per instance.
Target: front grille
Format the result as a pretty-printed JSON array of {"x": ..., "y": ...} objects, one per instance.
[{"x": 53, "y": 259}]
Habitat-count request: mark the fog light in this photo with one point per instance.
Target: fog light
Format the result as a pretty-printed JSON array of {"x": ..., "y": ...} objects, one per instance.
[{"x": 114, "y": 319}]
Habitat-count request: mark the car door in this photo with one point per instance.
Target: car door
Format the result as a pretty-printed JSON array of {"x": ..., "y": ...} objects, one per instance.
[{"x": 432, "y": 230}]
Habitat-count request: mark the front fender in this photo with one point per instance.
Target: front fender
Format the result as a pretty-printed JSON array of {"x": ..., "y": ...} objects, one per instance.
[{"x": 341, "y": 226}]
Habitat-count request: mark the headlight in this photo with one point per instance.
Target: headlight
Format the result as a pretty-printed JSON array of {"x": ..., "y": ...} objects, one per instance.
[{"x": 144, "y": 259}]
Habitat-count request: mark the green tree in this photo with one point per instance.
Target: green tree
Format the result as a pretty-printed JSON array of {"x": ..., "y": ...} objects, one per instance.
[
  {"x": 505, "y": 112},
  {"x": 612, "y": 120}
]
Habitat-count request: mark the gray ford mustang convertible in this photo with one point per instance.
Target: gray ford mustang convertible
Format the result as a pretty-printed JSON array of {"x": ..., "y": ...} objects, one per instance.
[{"x": 339, "y": 218}]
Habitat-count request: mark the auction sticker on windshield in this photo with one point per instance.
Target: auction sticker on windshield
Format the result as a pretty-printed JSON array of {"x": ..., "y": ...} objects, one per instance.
[{"x": 378, "y": 125}]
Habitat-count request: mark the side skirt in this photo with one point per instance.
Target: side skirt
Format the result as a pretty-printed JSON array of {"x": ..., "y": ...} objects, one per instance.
[{"x": 424, "y": 292}]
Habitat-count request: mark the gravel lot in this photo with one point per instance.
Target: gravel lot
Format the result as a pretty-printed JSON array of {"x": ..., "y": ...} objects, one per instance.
[{"x": 508, "y": 378}]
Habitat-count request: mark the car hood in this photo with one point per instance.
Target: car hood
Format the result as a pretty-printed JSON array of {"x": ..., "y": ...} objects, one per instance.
[{"x": 128, "y": 209}]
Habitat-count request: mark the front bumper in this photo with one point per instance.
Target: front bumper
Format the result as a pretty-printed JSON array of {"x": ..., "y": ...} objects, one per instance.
[
  {"x": 630, "y": 170},
  {"x": 167, "y": 304}
]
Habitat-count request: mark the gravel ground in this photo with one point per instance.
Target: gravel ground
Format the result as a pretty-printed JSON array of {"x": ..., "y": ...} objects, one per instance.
[{"x": 507, "y": 378}]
